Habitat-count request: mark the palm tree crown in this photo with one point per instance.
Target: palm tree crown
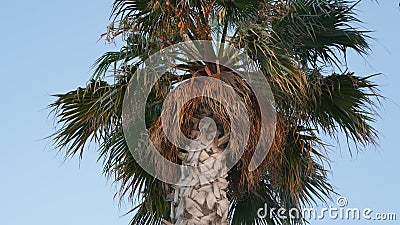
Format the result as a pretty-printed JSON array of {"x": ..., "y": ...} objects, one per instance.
[{"x": 299, "y": 45}]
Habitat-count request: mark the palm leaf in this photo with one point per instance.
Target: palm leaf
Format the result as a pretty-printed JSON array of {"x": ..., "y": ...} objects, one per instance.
[
  {"x": 346, "y": 103},
  {"x": 317, "y": 30}
]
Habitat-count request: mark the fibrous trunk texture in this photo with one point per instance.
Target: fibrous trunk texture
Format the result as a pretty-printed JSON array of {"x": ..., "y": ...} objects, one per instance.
[{"x": 206, "y": 202}]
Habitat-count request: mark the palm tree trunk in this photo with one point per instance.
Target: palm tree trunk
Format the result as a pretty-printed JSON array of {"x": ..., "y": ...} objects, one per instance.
[{"x": 206, "y": 202}]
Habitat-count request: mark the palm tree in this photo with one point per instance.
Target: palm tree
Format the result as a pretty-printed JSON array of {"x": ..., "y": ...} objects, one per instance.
[{"x": 299, "y": 45}]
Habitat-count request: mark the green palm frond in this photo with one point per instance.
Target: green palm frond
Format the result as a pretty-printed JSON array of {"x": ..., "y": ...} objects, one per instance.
[
  {"x": 246, "y": 204},
  {"x": 284, "y": 76},
  {"x": 86, "y": 115},
  {"x": 298, "y": 180},
  {"x": 301, "y": 180},
  {"x": 301, "y": 177},
  {"x": 128, "y": 8},
  {"x": 144, "y": 216},
  {"x": 236, "y": 11},
  {"x": 93, "y": 114},
  {"x": 317, "y": 30},
  {"x": 155, "y": 21},
  {"x": 345, "y": 103},
  {"x": 131, "y": 55},
  {"x": 146, "y": 192}
]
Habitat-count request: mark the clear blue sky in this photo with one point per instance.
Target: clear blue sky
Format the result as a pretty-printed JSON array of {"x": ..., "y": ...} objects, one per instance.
[{"x": 47, "y": 48}]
